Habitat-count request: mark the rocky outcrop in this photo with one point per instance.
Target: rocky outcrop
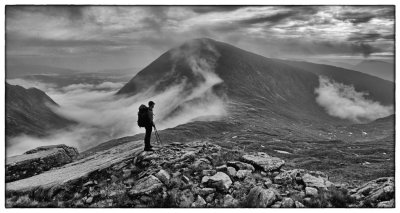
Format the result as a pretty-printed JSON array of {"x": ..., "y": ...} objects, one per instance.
[
  {"x": 376, "y": 193},
  {"x": 205, "y": 176},
  {"x": 264, "y": 161},
  {"x": 38, "y": 160}
]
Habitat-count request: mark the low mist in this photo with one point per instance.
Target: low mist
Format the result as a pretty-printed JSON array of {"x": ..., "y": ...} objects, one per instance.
[
  {"x": 102, "y": 116},
  {"x": 345, "y": 102}
]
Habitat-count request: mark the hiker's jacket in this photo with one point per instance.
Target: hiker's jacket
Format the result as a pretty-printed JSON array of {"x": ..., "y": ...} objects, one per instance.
[{"x": 151, "y": 116}]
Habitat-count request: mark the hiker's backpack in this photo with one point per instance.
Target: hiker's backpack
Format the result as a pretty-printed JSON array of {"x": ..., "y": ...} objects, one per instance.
[{"x": 143, "y": 116}]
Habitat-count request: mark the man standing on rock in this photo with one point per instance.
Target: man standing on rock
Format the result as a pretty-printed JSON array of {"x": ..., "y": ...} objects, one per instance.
[{"x": 149, "y": 127}]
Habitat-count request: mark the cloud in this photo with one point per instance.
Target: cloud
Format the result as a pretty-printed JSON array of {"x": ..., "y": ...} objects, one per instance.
[
  {"x": 343, "y": 101},
  {"x": 211, "y": 9},
  {"x": 142, "y": 33},
  {"x": 102, "y": 116}
]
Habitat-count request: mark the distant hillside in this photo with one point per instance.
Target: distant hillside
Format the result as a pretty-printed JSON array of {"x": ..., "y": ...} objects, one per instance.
[
  {"x": 378, "y": 89},
  {"x": 28, "y": 112},
  {"x": 17, "y": 70},
  {"x": 380, "y": 69}
]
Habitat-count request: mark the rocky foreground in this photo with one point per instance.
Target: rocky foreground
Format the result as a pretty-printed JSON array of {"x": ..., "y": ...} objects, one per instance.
[{"x": 197, "y": 174}]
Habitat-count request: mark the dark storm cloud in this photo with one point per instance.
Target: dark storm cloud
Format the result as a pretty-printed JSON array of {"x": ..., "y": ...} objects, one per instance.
[
  {"x": 365, "y": 37},
  {"x": 148, "y": 31},
  {"x": 291, "y": 13},
  {"x": 210, "y": 9},
  {"x": 70, "y": 12},
  {"x": 366, "y": 14},
  {"x": 364, "y": 48}
]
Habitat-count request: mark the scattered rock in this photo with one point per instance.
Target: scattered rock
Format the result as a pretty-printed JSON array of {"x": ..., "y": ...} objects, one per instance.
[
  {"x": 267, "y": 182},
  {"x": 146, "y": 185},
  {"x": 283, "y": 178},
  {"x": 277, "y": 204},
  {"x": 241, "y": 174},
  {"x": 298, "y": 204},
  {"x": 231, "y": 171},
  {"x": 230, "y": 202},
  {"x": 287, "y": 202},
  {"x": 220, "y": 181},
  {"x": 264, "y": 161},
  {"x": 311, "y": 191},
  {"x": 317, "y": 182},
  {"x": 240, "y": 165},
  {"x": 206, "y": 191},
  {"x": 202, "y": 164},
  {"x": 376, "y": 191},
  {"x": 386, "y": 204},
  {"x": 210, "y": 197},
  {"x": 185, "y": 198},
  {"x": 209, "y": 172},
  {"x": 89, "y": 200},
  {"x": 163, "y": 176},
  {"x": 199, "y": 203},
  {"x": 260, "y": 198}
]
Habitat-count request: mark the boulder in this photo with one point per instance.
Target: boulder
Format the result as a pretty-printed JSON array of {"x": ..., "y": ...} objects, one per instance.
[
  {"x": 241, "y": 174},
  {"x": 277, "y": 204},
  {"x": 38, "y": 160},
  {"x": 163, "y": 176},
  {"x": 146, "y": 185},
  {"x": 283, "y": 178},
  {"x": 230, "y": 202},
  {"x": 231, "y": 171},
  {"x": 311, "y": 191},
  {"x": 316, "y": 182},
  {"x": 206, "y": 191},
  {"x": 386, "y": 204},
  {"x": 259, "y": 197},
  {"x": 221, "y": 181},
  {"x": 202, "y": 164},
  {"x": 264, "y": 161},
  {"x": 287, "y": 202},
  {"x": 240, "y": 165},
  {"x": 199, "y": 203},
  {"x": 185, "y": 198},
  {"x": 298, "y": 204}
]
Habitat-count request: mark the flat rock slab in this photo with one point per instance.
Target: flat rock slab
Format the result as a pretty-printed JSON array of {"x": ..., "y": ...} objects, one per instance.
[
  {"x": 264, "y": 161},
  {"x": 76, "y": 170},
  {"x": 38, "y": 160},
  {"x": 146, "y": 185}
]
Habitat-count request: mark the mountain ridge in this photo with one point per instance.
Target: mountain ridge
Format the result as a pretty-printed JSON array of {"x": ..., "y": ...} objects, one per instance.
[{"x": 28, "y": 112}]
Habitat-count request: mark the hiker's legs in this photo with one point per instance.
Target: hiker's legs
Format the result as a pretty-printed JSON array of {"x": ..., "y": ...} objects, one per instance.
[{"x": 147, "y": 136}]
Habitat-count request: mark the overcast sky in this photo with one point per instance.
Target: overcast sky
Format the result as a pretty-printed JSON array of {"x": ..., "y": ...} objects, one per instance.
[{"x": 109, "y": 37}]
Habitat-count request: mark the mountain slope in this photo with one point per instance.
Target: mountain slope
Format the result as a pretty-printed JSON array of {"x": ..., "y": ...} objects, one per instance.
[
  {"x": 380, "y": 69},
  {"x": 28, "y": 112},
  {"x": 378, "y": 89},
  {"x": 284, "y": 87}
]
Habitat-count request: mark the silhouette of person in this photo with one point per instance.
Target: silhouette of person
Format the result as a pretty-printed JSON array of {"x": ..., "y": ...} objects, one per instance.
[{"x": 149, "y": 127}]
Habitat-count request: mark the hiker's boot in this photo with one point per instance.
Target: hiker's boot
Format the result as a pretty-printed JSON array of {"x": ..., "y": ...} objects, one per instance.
[{"x": 148, "y": 149}]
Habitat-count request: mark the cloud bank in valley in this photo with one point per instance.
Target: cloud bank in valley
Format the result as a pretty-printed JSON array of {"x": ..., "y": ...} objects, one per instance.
[
  {"x": 345, "y": 102},
  {"x": 103, "y": 116}
]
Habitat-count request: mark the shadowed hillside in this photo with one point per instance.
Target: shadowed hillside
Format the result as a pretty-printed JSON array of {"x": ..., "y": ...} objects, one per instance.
[{"x": 28, "y": 112}]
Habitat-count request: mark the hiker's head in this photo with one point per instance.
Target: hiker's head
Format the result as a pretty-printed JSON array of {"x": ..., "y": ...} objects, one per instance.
[{"x": 151, "y": 104}]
